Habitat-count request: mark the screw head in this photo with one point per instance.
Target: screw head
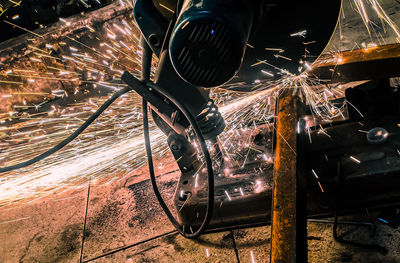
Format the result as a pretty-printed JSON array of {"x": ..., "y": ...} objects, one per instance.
[
  {"x": 377, "y": 135},
  {"x": 175, "y": 147}
]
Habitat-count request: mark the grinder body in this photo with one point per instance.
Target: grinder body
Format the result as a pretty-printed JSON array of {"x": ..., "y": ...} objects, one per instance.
[
  {"x": 208, "y": 43},
  {"x": 209, "y": 39}
]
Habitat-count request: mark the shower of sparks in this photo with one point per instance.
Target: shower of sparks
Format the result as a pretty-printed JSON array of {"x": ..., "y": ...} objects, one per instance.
[
  {"x": 378, "y": 10},
  {"x": 379, "y": 26},
  {"x": 60, "y": 84}
]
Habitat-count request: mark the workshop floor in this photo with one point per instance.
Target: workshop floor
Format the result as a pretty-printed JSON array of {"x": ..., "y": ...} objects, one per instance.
[{"x": 125, "y": 224}]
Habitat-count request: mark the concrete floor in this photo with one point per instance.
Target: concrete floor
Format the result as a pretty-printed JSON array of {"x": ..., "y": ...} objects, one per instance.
[{"x": 125, "y": 224}]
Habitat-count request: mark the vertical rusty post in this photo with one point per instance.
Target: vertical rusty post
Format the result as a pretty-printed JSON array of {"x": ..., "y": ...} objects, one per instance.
[{"x": 284, "y": 205}]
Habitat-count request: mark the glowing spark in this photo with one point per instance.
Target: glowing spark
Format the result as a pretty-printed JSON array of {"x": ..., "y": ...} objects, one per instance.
[
  {"x": 267, "y": 73},
  {"x": 167, "y": 8},
  {"x": 355, "y": 160},
  {"x": 299, "y": 34},
  {"x": 227, "y": 195},
  {"x": 253, "y": 260}
]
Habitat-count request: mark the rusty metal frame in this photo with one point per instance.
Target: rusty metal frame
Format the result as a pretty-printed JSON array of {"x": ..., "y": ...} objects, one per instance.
[{"x": 288, "y": 234}]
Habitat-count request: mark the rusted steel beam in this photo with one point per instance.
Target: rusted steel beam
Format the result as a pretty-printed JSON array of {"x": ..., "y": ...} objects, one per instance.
[
  {"x": 284, "y": 205},
  {"x": 360, "y": 64}
]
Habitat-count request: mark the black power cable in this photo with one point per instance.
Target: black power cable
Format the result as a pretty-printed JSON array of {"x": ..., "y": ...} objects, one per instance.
[
  {"x": 146, "y": 64},
  {"x": 210, "y": 201},
  {"x": 146, "y": 67},
  {"x": 70, "y": 138}
]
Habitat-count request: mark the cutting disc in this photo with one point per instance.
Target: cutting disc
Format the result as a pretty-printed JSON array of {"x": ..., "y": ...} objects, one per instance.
[{"x": 290, "y": 37}]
